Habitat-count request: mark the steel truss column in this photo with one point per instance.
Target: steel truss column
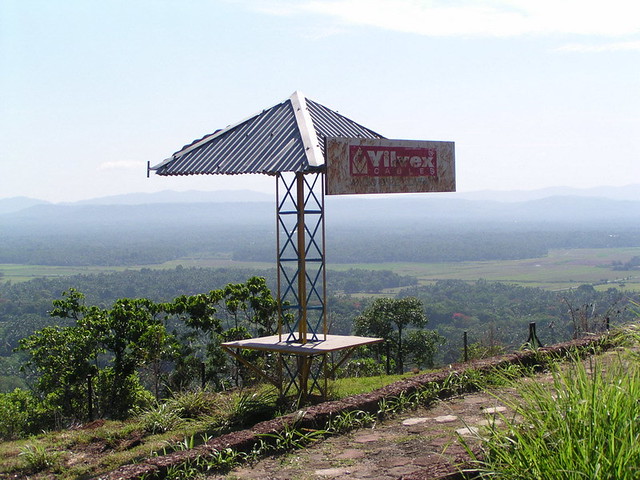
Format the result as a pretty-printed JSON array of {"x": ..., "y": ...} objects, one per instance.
[
  {"x": 301, "y": 273},
  {"x": 301, "y": 258}
]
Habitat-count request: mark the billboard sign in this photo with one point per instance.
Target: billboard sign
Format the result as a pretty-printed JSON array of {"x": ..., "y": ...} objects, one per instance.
[{"x": 364, "y": 165}]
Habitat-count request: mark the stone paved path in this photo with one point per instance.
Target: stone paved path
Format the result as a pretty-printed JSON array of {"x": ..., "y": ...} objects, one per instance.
[{"x": 417, "y": 444}]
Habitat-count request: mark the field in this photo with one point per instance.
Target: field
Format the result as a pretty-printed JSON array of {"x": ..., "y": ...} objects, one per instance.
[{"x": 560, "y": 269}]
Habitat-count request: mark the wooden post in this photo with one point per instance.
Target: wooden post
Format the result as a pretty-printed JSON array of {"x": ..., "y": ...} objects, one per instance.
[
  {"x": 90, "y": 396},
  {"x": 388, "y": 352},
  {"x": 466, "y": 349},
  {"x": 533, "y": 340}
]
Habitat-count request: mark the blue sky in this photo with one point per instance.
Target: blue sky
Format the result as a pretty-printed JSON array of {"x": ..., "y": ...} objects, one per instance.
[{"x": 534, "y": 93}]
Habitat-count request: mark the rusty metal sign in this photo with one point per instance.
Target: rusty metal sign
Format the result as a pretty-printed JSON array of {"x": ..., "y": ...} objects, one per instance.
[{"x": 364, "y": 165}]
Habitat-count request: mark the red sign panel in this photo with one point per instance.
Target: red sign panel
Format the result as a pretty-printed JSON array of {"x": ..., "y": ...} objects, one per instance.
[{"x": 365, "y": 165}]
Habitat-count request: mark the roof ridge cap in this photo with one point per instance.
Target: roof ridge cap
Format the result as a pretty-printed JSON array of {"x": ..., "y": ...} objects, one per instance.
[{"x": 307, "y": 131}]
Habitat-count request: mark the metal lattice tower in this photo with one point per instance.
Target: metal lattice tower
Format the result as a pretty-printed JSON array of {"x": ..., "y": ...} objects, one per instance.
[{"x": 301, "y": 257}]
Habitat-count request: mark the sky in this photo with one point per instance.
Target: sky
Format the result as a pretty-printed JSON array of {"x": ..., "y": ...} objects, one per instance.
[{"x": 534, "y": 93}]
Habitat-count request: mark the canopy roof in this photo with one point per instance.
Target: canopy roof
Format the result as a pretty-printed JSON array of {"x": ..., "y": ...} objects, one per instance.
[{"x": 288, "y": 137}]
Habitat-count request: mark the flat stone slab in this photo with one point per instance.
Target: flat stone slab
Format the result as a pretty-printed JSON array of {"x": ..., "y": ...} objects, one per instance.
[
  {"x": 351, "y": 454},
  {"x": 424, "y": 460},
  {"x": 446, "y": 419},
  {"x": 402, "y": 470},
  {"x": 367, "y": 438},
  {"x": 468, "y": 431},
  {"x": 332, "y": 472},
  {"x": 474, "y": 399},
  {"x": 492, "y": 422},
  {"x": 491, "y": 410},
  {"x": 395, "y": 462},
  {"x": 414, "y": 421}
]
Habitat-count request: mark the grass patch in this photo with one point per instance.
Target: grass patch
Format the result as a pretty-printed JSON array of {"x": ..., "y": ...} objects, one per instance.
[
  {"x": 346, "y": 387},
  {"x": 584, "y": 424},
  {"x": 103, "y": 446}
]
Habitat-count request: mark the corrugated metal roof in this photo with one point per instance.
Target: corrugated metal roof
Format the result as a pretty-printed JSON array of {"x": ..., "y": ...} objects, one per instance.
[
  {"x": 288, "y": 137},
  {"x": 328, "y": 123}
]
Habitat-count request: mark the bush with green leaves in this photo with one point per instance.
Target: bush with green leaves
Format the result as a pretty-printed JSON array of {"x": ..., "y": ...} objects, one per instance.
[
  {"x": 194, "y": 404},
  {"x": 247, "y": 407},
  {"x": 23, "y": 413},
  {"x": 117, "y": 398}
]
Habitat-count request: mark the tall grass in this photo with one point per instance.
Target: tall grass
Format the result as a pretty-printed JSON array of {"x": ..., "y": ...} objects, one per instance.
[{"x": 585, "y": 425}]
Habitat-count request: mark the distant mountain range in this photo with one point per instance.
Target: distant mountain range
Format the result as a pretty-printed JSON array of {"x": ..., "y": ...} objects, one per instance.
[
  {"x": 248, "y": 208},
  {"x": 15, "y": 204},
  {"x": 628, "y": 192}
]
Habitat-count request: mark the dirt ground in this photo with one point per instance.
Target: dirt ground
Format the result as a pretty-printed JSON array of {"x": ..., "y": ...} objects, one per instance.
[{"x": 418, "y": 444}]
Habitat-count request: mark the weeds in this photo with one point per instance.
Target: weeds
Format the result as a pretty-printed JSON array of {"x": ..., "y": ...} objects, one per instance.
[
  {"x": 225, "y": 459},
  {"x": 248, "y": 407},
  {"x": 346, "y": 421},
  {"x": 187, "y": 443},
  {"x": 193, "y": 404},
  {"x": 37, "y": 458},
  {"x": 291, "y": 438},
  {"x": 160, "y": 419}
]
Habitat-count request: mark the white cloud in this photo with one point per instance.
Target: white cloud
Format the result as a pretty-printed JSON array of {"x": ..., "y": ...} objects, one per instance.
[
  {"x": 493, "y": 18},
  {"x": 122, "y": 165}
]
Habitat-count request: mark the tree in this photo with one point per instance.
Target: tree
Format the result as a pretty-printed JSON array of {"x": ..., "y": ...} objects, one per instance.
[
  {"x": 130, "y": 331},
  {"x": 62, "y": 357},
  {"x": 421, "y": 346},
  {"x": 389, "y": 319},
  {"x": 252, "y": 301},
  {"x": 66, "y": 357},
  {"x": 233, "y": 312}
]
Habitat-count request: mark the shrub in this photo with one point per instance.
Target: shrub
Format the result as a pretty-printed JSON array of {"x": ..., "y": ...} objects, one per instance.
[
  {"x": 116, "y": 398},
  {"x": 13, "y": 414},
  {"x": 365, "y": 367},
  {"x": 22, "y": 413},
  {"x": 193, "y": 404}
]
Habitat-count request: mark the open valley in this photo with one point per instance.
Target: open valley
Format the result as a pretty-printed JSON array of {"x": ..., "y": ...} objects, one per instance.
[{"x": 560, "y": 269}]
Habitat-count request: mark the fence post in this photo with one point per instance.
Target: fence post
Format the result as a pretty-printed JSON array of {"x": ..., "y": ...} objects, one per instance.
[
  {"x": 533, "y": 340},
  {"x": 203, "y": 378},
  {"x": 388, "y": 347},
  {"x": 466, "y": 349},
  {"x": 90, "y": 396}
]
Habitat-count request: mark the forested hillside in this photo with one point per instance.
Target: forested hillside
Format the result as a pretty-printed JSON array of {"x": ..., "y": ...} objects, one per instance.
[{"x": 495, "y": 315}]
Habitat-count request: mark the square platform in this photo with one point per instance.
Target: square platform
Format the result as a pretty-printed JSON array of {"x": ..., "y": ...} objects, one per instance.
[{"x": 332, "y": 343}]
